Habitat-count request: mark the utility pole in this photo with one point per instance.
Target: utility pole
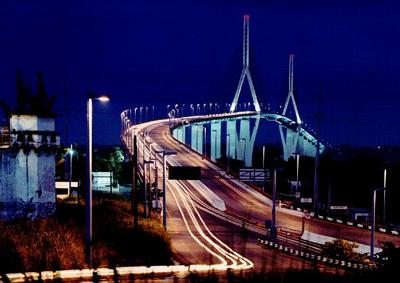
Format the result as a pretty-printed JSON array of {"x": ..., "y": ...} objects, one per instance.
[
  {"x": 316, "y": 167},
  {"x": 384, "y": 197},
  {"x": 373, "y": 226},
  {"x": 273, "y": 226},
  {"x": 134, "y": 183}
]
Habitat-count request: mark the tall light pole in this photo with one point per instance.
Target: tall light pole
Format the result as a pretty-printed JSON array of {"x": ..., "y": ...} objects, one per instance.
[
  {"x": 146, "y": 205},
  {"x": 89, "y": 181},
  {"x": 273, "y": 226},
  {"x": 71, "y": 152},
  {"x": 164, "y": 154},
  {"x": 384, "y": 197},
  {"x": 135, "y": 121},
  {"x": 297, "y": 173},
  {"x": 263, "y": 165},
  {"x": 372, "y": 244}
]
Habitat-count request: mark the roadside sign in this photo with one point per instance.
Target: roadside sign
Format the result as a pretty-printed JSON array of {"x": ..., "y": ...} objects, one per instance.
[
  {"x": 297, "y": 194},
  {"x": 184, "y": 172},
  {"x": 338, "y": 207},
  {"x": 306, "y": 200},
  {"x": 254, "y": 175}
]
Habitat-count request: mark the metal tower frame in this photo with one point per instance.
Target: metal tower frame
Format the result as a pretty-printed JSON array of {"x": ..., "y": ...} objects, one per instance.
[
  {"x": 290, "y": 144},
  {"x": 290, "y": 96},
  {"x": 245, "y": 71}
]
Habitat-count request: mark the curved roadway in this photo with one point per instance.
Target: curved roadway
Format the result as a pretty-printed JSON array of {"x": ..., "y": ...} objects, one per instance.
[{"x": 205, "y": 233}]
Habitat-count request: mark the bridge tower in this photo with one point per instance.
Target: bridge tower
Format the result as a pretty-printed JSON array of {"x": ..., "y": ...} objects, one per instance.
[
  {"x": 245, "y": 71},
  {"x": 291, "y": 139},
  {"x": 290, "y": 96}
]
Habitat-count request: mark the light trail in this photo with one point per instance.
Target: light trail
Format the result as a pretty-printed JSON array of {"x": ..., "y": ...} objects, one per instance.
[{"x": 223, "y": 250}]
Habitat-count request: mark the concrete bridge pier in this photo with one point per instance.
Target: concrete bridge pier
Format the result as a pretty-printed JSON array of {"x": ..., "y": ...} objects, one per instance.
[
  {"x": 197, "y": 137},
  {"x": 215, "y": 140},
  {"x": 231, "y": 138}
]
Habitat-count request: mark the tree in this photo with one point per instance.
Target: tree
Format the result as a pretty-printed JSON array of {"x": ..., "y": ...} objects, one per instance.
[
  {"x": 110, "y": 160},
  {"x": 27, "y": 103},
  {"x": 342, "y": 249}
]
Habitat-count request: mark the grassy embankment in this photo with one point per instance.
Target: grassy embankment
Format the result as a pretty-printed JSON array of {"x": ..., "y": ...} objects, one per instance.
[{"x": 58, "y": 242}]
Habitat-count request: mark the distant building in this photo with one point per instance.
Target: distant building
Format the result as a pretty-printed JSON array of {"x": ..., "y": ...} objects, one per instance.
[
  {"x": 28, "y": 145},
  {"x": 104, "y": 181}
]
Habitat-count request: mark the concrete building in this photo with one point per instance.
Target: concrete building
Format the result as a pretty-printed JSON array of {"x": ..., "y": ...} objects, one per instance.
[{"x": 28, "y": 145}]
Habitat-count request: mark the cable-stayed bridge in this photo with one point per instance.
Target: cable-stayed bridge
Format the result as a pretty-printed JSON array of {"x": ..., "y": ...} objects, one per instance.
[{"x": 208, "y": 218}]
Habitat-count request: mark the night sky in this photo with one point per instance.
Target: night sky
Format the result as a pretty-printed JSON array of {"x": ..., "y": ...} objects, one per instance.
[{"x": 159, "y": 52}]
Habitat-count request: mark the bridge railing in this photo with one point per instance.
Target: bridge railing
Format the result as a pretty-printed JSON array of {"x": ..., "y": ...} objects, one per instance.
[{"x": 175, "y": 113}]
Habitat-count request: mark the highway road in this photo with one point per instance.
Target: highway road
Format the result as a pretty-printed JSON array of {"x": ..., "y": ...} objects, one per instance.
[{"x": 218, "y": 220}]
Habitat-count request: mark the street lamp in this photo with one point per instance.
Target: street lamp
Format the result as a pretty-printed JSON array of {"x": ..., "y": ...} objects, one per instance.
[
  {"x": 263, "y": 164},
  {"x": 145, "y": 186},
  {"x": 89, "y": 186},
  {"x": 164, "y": 154},
  {"x": 135, "y": 121},
  {"x": 273, "y": 226},
  {"x": 140, "y": 113},
  {"x": 384, "y": 196},
  {"x": 297, "y": 172},
  {"x": 71, "y": 152}
]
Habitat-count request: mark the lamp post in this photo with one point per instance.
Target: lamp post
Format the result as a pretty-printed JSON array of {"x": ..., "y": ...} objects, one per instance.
[
  {"x": 297, "y": 173},
  {"x": 140, "y": 113},
  {"x": 384, "y": 197},
  {"x": 71, "y": 152},
  {"x": 273, "y": 226},
  {"x": 164, "y": 154},
  {"x": 146, "y": 205},
  {"x": 89, "y": 186},
  {"x": 135, "y": 121},
  {"x": 263, "y": 165},
  {"x": 372, "y": 243}
]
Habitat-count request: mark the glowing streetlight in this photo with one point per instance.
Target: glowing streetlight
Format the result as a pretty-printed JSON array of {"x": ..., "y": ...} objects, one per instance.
[
  {"x": 164, "y": 154},
  {"x": 89, "y": 186}
]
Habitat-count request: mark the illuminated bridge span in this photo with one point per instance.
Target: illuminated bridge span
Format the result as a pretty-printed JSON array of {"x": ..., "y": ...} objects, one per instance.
[
  {"x": 240, "y": 135},
  {"x": 205, "y": 216},
  {"x": 195, "y": 208}
]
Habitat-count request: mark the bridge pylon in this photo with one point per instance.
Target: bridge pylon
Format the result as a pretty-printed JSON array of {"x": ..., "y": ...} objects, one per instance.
[
  {"x": 245, "y": 71},
  {"x": 290, "y": 140}
]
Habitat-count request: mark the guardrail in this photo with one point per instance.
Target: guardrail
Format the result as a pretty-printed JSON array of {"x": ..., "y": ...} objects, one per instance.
[
  {"x": 127, "y": 272},
  {"x": 314, "y": 257}
]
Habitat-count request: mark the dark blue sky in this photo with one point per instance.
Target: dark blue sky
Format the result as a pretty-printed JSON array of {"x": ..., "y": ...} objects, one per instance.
[{"x": 159, "y": 52}]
